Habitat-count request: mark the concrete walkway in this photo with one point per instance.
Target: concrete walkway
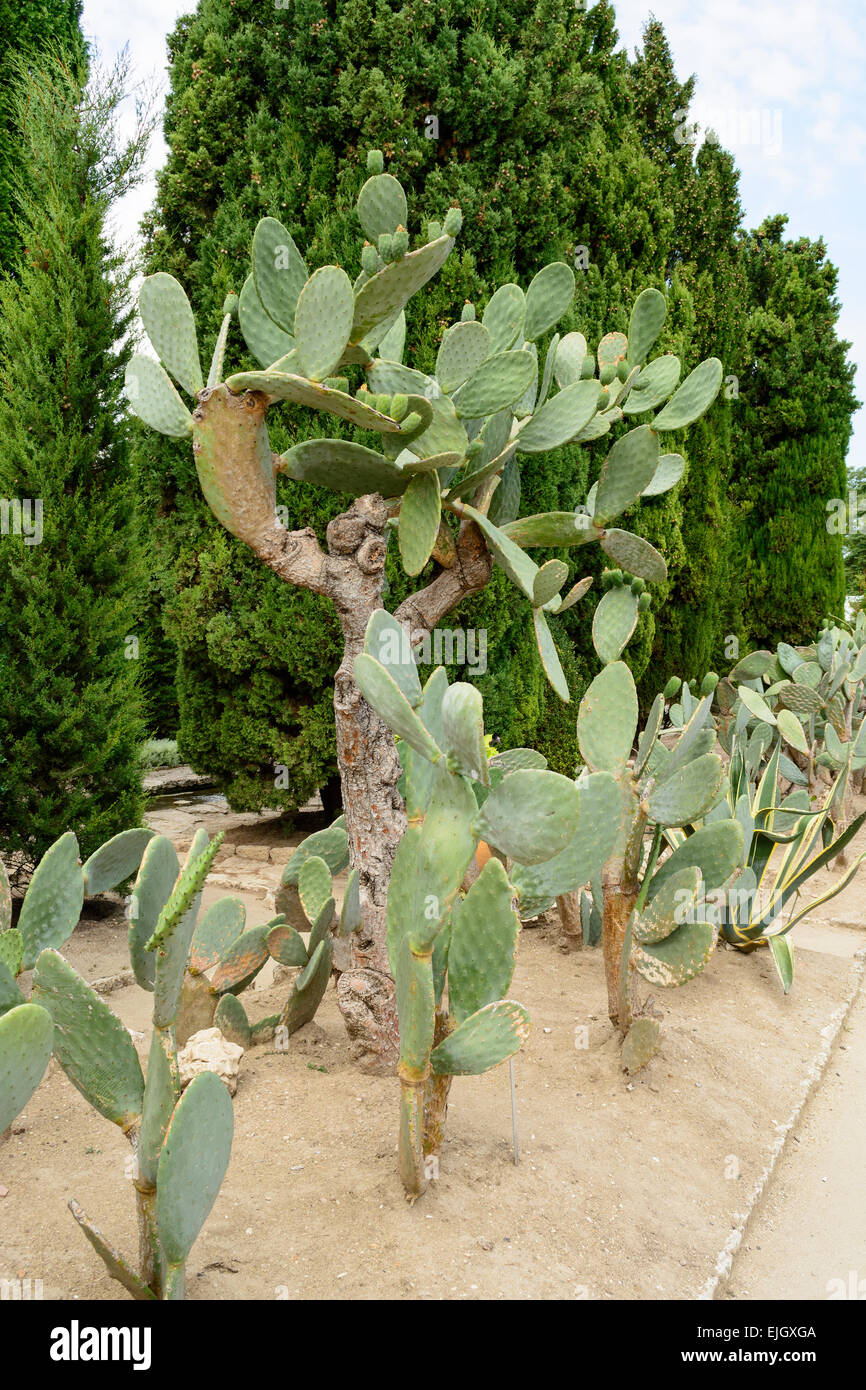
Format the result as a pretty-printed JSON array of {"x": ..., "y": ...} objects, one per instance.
[{"x": 807, "y": 1239}]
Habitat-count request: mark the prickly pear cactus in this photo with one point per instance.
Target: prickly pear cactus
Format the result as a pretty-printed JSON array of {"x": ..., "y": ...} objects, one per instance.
[
  {"x": 181, "y": 1143},
  {"x": 653, "y": 915},
  {"x": 452, "y": 941}
]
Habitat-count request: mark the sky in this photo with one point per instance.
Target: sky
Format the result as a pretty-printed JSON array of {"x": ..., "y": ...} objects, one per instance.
[{"x": 781, "y": 82}]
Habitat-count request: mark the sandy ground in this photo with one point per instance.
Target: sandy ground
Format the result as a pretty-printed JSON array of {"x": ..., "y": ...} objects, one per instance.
[{"x": 622, "y": 1189}]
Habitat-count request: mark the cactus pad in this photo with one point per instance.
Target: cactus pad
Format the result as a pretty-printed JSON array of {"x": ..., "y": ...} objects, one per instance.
[
  {"x": 689, "y": 793},
  {"x": 503, "y": 318},
  {"x": 231, "y": 1019},
  {"x": 25, "y": 1047},
  {"x": 381, "y": 206},
  {"x": 678, "y": 958},
  {"x": 168, "y": 320},
  {"x": 385, "y": 294},
  {"x": 498, "y": 382},
  {"x": 53, "y": 901},
  {"x": 90, "y": 1042},
  {"x": 530, "y": 816},
  {"x": 607, "y": 719},
  {"x": 387, "y": 641},
  {"x": 634, "y": 554},
  {"x": 343, "y": 466},
  {"x": 560, "y": 419},
  {"x": 482, "y": 1041},
  {"x": 464, "y": 347},
  {"x": 548, "y": 297},
  {"x": 645, "y": 324},
  {"x": 418, "y": 527},
  {"x": 383, "y": 694},
  {"x": 115, "y": 861},
  {"x": 626, "y": 471},
  {"x": 193, "y": 1163},
  {"x": 693, "y": 398},
  {"x": 157, "y": 876},
  {"x": 323, "y": 321},
  {"x": 265, "y": 340},
  {"x": 641, "y": 1044},
  {"x": 462, "y": 717},
  {"x": 218, "y": 928},
  {"x": 279, "y": 271},
  {"x": 667, "y": 475},
  {"x": 613, "y": 623},
  {"x": 484, "y": 932}
]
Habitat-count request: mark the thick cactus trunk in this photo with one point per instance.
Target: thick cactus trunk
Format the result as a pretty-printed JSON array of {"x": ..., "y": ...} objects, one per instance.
[{"x": 237, "y": 473}]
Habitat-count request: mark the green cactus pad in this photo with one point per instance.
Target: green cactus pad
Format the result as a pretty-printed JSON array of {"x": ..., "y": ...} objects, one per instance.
[
  {"x": 415, "y": 994},
  {"x": 231, "y": 1019},
  {"x": 715, "y": 849},
  {"x": 498, "y": 382},
  {"x": 382, "y": 693},
  {"x": 267, "y": 342},
  {"x": 392, "y": 343},
  {"x": 111, "y": 1258},
  {"x": 193, "y": 1163},
  {"x": 114, "y": 1262},
  {"x": 418, "y": 526},
  {"x": 600, "y": 810},
  {"x": 626, "y": 471},
  {"x": 168, "y": 320},
  {"x": 154, "y": 400},
  {"x": 570, "y": 354},
  {"x": 323, "y": 321},
  {"x": 607, "y": 719},
  {"x": 432, "y": 464},
  {"x": 551, "y": 529},
  {"x": 756, "y": 704},
  {"x": 286, "y": 386},
  {"x": 387, "y": 641},
  {"x": 462, "y": 717},
  {"x": 548, "y": 297},
  {"x": 678, "y": 958},
  {"x": 613, "y": 623},
  {"x": 309, "y": 989},
  {"x": 382, "y": 206},
  {"x": 186, "y": 890},
  {"x": 560, "y": 419},
  {"x": 90, "y": 1042},
  {"x": 689, "y": 793},
  {"x": 483, "y": 1040},
  {"x": 218, "y": 928},
  {"x": 314, "y": 886},
  {"x": 791, "y": 730},
  {"x": 402, "y": 890},
  {"x": 419, "y": 772},
  {"x": 653, "y": 385},
  {"x": 11, "y": 953},
  {"x": 530, "y": 815},
  {"x": 161, "y": 1094},
  {"x": 464, "y": 347},
  {"x": 667, "y": 475},
  {"x": 321, "y": 924},
  {"x": 331, "y": 844},
  {"x": 647, "y": 319},
  {"x": 115, "y": 861},
  {"x": 641, "y": 1044},
  {"x": 279, "y": 271},
  {"x": 484, "y": 932},
  {"x": 385, "y": 294},
  {"x": 53, "y": 901},
  {"x": 503, "y": 317},
  {"x": 444, "y": 852},
  {"x": 25, "y": 1047},
  {"x": 350, "y": 911},
  {"x": 343, "y": 466},
  {"x": 390, "y": 378},
  {"x": 243, "y": 961},
  {"x": 549, "y": 655},
  {"x": 157, "y": 876},
  {"x": 688, "y": 744},
  {"x": 521, "y": 570},
  {"x": 526, "y": 403},
  {"x": 752, "y": 666},
  {"x": 693, "y": 398},
  {"x": 548, "y": 582},
  {"x": 801, "y": 699},
  {"x": 576, "y": 593},
  {"x": 505, "y": 503},
  {"x": 670, "y": 908},
  {"x": 286, "y": 945},
  {"x": 634, "y": 554},
  {"x": 513, "y": 758}
]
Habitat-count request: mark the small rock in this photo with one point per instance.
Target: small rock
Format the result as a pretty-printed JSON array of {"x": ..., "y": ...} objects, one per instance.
[
  {"x": 210, "y": 1051},
  {"x": 4, "y": 1191}
]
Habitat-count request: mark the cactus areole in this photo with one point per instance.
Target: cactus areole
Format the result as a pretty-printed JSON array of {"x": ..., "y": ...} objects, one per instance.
[{"x": 446, "y": 472}]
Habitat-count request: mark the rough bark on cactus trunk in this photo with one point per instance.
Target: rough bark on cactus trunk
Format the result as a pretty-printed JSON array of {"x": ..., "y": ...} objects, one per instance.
[{"x": 237, "y": 472}]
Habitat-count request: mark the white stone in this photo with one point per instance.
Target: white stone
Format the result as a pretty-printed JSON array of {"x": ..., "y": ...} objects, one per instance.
[{"x": 208, "y": 1050}]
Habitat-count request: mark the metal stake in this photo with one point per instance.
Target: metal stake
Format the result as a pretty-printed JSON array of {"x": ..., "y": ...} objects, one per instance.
[{"x": 513, "y": 1111}]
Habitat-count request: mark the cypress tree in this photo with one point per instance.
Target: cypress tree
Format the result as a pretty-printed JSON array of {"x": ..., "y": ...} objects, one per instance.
[
  {"x": 791, "y": 436},
  {"x": 69, "y": 554},
  {"x": 270, "y": 112},
  {"x": 26, "y": 30}
]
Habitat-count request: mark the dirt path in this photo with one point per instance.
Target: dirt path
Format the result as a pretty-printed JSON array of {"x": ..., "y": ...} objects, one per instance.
[{"x": 808, "y": 1239}]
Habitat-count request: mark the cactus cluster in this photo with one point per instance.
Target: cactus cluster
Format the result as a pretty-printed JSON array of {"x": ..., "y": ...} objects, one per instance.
[
  {"x": 181, "y": 1142},
  {"x": 453, "y": 930},
  {"x": 451, "y": 441}
]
